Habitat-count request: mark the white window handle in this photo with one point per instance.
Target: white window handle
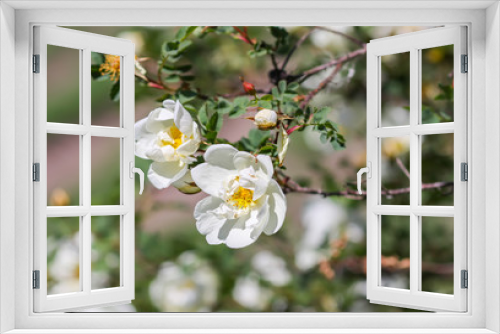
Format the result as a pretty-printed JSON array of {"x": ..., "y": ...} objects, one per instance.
[
  {"x": 368, "y": 171},
  {"x": 141, "y": 176}
]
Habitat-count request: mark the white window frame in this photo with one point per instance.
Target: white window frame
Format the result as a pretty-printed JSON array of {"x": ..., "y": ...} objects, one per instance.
[
  {"x": 85, "y": 43},
  {"x": 483, "y": 21},
  {"x": 414, "y": 43}
]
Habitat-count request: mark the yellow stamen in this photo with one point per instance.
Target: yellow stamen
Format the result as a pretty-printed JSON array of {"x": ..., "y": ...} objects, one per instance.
[
  {"x": 242, "y": 198},
  {"x": 111, "y": 66},
  {"x": 176, "y": 135}
]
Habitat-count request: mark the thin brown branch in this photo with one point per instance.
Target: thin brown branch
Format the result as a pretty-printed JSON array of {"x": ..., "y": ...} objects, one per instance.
[
  {"x": 389, "y": 264},
  {"x": 403, "y": 167},
  {"x": 333, "y": 62},
  {"x": 290, "y": 186},
  {"x": 296, "y": 46},
  {"x": 321, "y": 86},
  {"x": 352, "y": 39}
]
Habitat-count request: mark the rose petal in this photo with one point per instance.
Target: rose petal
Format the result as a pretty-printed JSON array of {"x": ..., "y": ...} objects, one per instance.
[
  {"x": 159, "y": 119},
  {"x": 221, "y": 155},
  {"x": 277, "y": 202},
  {"x": 183, "y": 119},
  {"x": 163, "y": 174},
  {"x": 210, "y": 178}
]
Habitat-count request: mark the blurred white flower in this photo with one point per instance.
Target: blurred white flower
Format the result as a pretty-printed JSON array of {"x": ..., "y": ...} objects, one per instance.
[
  {"x": 170, "y": 138},
  {"x": 250, "y": 294},
  {"x": 245, "y": 200},
  {"x": 135, "y": 37},
  {"x": 187, "y": 285},
  {"x": 323, "y": 39},
  {"x": 266, "y": 119},
  {"x": 321, "y": 219},
  {"x": 271, "y": 267},
  {"x": 354, "y": 232},
  {"x": 64, "y": 269}
]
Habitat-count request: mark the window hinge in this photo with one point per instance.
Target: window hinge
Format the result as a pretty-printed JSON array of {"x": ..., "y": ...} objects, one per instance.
[
  {"x": 36, "y": 172},
  {"x": 465, "y": 64},
  {"x": 36, "y": 279},
  {"x": 464, "y": 172},
  {"x": 36, "y": 63},
  {"x": 464, "y": 279}
]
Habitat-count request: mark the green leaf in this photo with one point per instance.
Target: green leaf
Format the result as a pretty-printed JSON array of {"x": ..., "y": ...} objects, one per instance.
[
  {"x": 224, "y": 106},
  {"x": 173, "y": 78},
  {"x": 94, "y": 71},
  {"x": 276, "y": 93},
  {"x": 282, "y": 86},
  {"x": 115, "y": 91},
  {"x": 258, "y": 138},
  {"x": 279, "y": 32},
  {"x": 323, "y": 138},
  {"x": 212, "y": 123},
  {"x": 266, "y": 97},
  {"x": 269, "y": 149},
  {"x": 187, "y": 77},
  {"x": 184, "y": 68},
  {"x": 184, "y": 45},
  {"x": 184, "y": 32},
  {"x": 202, "y": 115},
  {"x": 265, "y": 104},
  {"x": 170, "y": 48},
  {"x": 320, "y": 115},
  {"x": 293, "y": 86},
  {"x": 237, "y": 111},
  {"x": 187, "y": 95},
  {"x": 241, "y": 101},
  {"x": 96, "y": 58}
]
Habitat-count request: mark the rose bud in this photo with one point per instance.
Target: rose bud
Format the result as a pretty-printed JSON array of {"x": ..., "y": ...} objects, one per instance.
[
  {"x": 266, "y": 119},
  {"x": 248, "y": 87},
  {"x": 186, "y": 184}
]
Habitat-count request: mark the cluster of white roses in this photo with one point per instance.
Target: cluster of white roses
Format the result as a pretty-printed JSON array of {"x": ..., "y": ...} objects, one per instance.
[{"x": 244, "y": 199}]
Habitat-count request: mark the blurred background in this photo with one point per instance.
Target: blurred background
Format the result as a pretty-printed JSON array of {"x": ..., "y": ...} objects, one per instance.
[{"x": 317, "y": 261}]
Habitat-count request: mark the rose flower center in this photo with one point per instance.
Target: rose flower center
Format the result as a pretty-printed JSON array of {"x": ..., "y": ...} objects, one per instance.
[
  {"x": 171, "y": 137},
  {"x": 242, "y": 198}
]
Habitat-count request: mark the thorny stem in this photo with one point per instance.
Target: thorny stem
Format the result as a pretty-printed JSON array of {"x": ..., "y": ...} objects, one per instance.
[
  {"x": 295, "y": 47},
  {"x": 290, "y": 186},
  {"x": 333, "y": 62},
  {"x": 321, "y": 86},
  {"x": 402, "y": 167}
]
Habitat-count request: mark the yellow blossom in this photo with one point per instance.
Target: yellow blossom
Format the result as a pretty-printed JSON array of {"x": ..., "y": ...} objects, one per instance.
[{"x": 111, "y": 67}]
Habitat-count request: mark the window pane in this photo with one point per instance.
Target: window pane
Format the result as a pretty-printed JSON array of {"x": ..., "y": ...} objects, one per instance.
[
  {"x": 63, "y": 255},
  {"x": 105, "y": 188},
  {"x": 63, "y": 170},
  {"x": 105, "y": 252},
  {"x": 63, "y": 85},
  {"x": 437, "y": 169},
  {"x": 395, "y": 247},
  {"x": 437, "y": 254},
  {"x": 437, "y": 84},
  {"x": 395, "y": 95},
  {"x": 105, "y": 89},
  {"x": 395, "y": 169}
]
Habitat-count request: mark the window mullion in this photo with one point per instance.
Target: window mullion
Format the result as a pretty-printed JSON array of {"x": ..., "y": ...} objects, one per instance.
[
  {"x": 414, "y": 171},
  {"x": 85, "y": 161}
]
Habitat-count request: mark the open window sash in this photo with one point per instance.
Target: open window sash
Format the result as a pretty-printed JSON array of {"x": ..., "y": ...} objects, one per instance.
[
  {"x": 85, "y": 43},
  {"x": 415, "y": 297}
]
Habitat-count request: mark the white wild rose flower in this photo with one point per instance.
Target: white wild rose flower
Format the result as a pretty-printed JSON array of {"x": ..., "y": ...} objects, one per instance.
[
  {"x": 170, "y": 138},
  {"x": 244, "y": 200},
  {"x": 189, "y": 284}
]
